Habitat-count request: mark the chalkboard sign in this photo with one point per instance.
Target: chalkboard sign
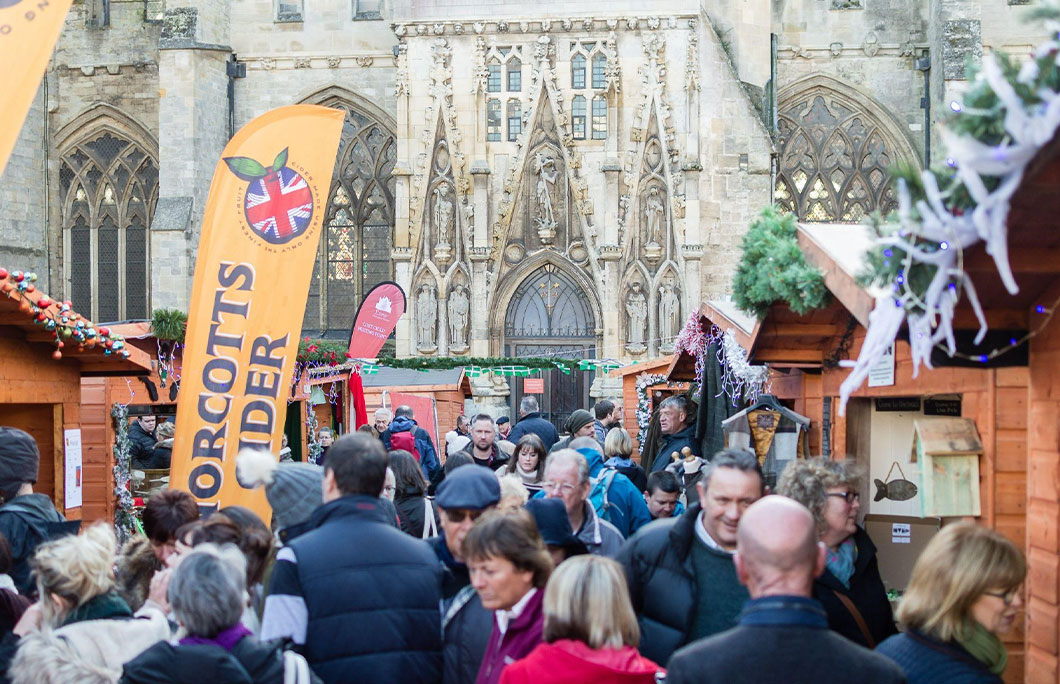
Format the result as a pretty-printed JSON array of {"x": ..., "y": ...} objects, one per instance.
[
  {"x": 942, "y": 407},
  {"x": 898, "y": 404}
]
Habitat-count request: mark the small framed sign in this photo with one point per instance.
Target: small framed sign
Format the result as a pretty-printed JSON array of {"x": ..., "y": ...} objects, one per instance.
[{"x": 533, "y": 385}]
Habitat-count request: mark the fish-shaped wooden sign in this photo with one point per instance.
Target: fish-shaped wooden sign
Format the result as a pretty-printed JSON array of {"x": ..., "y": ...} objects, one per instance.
[{"x": 895, "y": 490}]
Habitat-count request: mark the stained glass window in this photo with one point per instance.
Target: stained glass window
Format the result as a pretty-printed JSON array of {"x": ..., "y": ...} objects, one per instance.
[
  {"x": 358, "y": 225},
  {"x": 833, "y": 161},
  {"x": 108, "y": 186}
]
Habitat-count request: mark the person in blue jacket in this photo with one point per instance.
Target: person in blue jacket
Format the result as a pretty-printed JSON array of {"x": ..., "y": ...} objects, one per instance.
[
  {"x": 424, "y": 447},
  {"x": 625, "y": 507}
]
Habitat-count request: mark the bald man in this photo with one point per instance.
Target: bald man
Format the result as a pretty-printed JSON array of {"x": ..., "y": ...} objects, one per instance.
[{"x": 782, "y": 634}]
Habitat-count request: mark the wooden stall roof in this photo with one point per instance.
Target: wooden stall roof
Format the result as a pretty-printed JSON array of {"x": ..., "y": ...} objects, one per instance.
[
  {"x": 656, "y": 365},
  {"x": 91, "y": 360}
]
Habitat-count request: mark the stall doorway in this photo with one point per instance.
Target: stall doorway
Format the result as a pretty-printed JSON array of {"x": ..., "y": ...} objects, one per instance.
[
  {"x": 549, "y": 316},
  {"x": 44, "y": 423}
]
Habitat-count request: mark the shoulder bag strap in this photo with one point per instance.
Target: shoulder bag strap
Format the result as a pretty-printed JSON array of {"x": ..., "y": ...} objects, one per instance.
[
  {"x": 430, "y": 525},
  {"x": 856, "y": 614}
]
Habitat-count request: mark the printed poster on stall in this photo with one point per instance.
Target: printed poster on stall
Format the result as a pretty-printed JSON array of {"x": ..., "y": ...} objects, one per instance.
[{"x": 72, "y": 485}]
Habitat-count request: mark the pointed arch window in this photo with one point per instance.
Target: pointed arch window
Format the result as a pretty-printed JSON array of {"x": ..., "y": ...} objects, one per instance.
[
  {"x": 354, "y": 253},
  {"x": 515, "y": 119},
  {"x": 515, "y": 75},
  {"x": 599, "y": 118},
  {"x": 578, "y": 117},
  {"x": 109, "y": 187},
  {"x": 599, "y": 71},
  {"x": 577, "y": 71},
  {"x": 493, "y": 120},
  {"x": 834, "y": 157},
  {"x": 493, "y": 79}
]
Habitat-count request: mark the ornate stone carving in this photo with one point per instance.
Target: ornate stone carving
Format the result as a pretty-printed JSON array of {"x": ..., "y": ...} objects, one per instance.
[
  {"x": 267, "y": 63},
  {"x": 302, "y": 62},
  {"x": 458, "y": 29},
  {"x": 544, "y": 215},
  {"x": 438, "y": 29},
  {"x": 587, "y": 24},
  {"x": 401, "y": 74},
  {"x": 478, "y": 27},
  {"x": 334, "y": 62},
  {"x": 567, "y": 24},
  {"x": 653, "y": 23},
  {"x": 669, "y": 315},
  {"x": 654, "y": 217},
  {"x": 613, "y": 70},
  {"x": 692, "y": 63},
  {"x": 631, "y": 23},
  {"x": 443, "y": 214},
  {"x": 524, "y": 26},
  {"x": 458, "y": 309},
  {"x": 400, "y": 30},
  {"x": 636, "y": 316},
  {"x": 364, "y": 61},
  {"x": 427, "y": 317},
  {"x": 502, "y": 27},
  {"x": 611, "y": 23},
  {"x": 871, "y": 45},
  {"x": 421, "y": 29},
  {"x": 836, "y": 49},
  {"x": 480, "y": 76},
  {"x": 546, "y": 25}
]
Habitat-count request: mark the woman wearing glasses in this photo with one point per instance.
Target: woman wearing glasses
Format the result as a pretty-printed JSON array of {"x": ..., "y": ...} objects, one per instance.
[
  {"x": 963, "y": 597},
  {"x": 850, "y": 588}
]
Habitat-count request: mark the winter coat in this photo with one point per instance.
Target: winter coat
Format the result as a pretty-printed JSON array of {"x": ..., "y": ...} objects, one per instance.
[
  {"x": 626, "y": 509},
  {"x": 662, "y": 583},
  {"x": 12, "y": 606},
  {"x": 141, "y": 445},
  {"x": 411, "y": 510},
  {"x": 522, "y": 636},
  {"x": 26, "y": 522},
  {"x": 866, "y": 592},
  {"x": 428, "y": 457},
  {"x": 135, "y": 567},
  {"x": 675, "y": 442},
  {"x": 160, "y": 458},
  {"x": 534, "y": 424},
  {"x": 926, "y": 660},
  {"x": 780, "y": 639},
  {"x": 90, "y": 650},
  {"x": 496, "y": 461},
  {"x": 466, "y": 625},
  {"x": 572, "y": 662},
  {"x": 631, "y": 470},
  {"x": 249, "y": 662},
  {"x": 359, "y": 596}
]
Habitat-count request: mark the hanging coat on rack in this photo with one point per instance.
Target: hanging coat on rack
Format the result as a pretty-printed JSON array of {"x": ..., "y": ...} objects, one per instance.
[{"x": 775, "y": 433}]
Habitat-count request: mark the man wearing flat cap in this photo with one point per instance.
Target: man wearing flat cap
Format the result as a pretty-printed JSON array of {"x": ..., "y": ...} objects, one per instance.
[
  {"x": 26, "y": 519},
  {"x": 580, "y": 424},
  {"x": 464, "y": 495}
]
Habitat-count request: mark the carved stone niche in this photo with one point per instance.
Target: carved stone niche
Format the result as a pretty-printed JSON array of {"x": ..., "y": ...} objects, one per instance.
[
  {"x": 426, "y": 318},
  {"x": 458, "y": 315},
  {"x": 635, "y": 304},
  {"x": 669, "y": 326}
]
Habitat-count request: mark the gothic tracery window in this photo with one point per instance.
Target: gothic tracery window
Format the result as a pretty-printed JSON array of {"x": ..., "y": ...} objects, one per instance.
[
  {"x": 833, "y": 161},
  {"x": 109, "y": 187},
  {"x": 578, "y": 117},
  {"x": 358, "y": 224}
]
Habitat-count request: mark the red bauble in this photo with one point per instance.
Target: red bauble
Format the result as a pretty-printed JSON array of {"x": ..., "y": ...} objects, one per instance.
[
  {"x": 41, "y": 317},
  {"x": 3, "y": 273},
  {"x": 57, "y": 355},
  {"x": 105, "y": 332},
  {"x": 44, "y": 302},
  {"x": 109, "y": 344}
]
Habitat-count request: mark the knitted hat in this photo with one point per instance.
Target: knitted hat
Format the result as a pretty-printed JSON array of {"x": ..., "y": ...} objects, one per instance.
[
  {"x": 19, "y": 458},
  {"x": 578, "y": 420},
  {"x": 166, "y": 430},
  {"x": 292, "y": 487}
]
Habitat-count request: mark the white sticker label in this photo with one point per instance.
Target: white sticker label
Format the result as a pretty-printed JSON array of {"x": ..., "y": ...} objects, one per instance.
[{"x": 900, "y": 533}]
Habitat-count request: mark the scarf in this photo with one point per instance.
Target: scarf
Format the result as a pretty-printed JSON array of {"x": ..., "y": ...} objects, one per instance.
[
  {"x": 841, "y": 561},
  {"x": 103, "y": 607},
  {"x": 226, "y": 638},
  {"x": 528, "y": 478},
  {"x": 984, "y": 646}
]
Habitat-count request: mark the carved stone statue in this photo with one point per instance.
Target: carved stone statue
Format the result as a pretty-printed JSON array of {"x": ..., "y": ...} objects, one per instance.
[
  {"x": 458, "y": 307},
  {"x": 669, "y": 314},
  {"x": 443, "y": 213},
  {"x": 637, "y": 310},
  {"x": 426, "y": 315},
  {"x": 653, "y": 215},
  {"x": 545, "y": 168}
]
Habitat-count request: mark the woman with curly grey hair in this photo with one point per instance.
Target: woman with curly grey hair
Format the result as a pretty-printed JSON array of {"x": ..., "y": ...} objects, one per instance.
[{"x": 850, "y": 587}]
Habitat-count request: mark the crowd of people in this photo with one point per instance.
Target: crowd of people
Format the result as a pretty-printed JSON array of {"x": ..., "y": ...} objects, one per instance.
[{"x": 521, "y": 556}]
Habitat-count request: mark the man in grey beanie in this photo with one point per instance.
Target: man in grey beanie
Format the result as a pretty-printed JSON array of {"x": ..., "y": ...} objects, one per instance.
[{"x": 579, "y": 424}]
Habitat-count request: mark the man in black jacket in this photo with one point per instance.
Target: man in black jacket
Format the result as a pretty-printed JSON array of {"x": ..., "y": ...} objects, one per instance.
[
  {"x": 463, "y": 496},
  {"x": 681, "y": 578},
  {"x": 783, "y": 633},
  {"x": 359, "y": 597},
  {"x": 678, "y": 427},
  {"x": 142, "y": 441},
  {"x": 531, "y": 422}
]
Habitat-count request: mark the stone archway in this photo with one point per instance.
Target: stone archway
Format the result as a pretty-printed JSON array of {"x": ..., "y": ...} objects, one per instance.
[{"x": 549, "y": 315}]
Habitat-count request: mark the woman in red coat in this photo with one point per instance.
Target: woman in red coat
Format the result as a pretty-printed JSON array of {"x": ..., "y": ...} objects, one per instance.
[{"x": 590, "y": 632}]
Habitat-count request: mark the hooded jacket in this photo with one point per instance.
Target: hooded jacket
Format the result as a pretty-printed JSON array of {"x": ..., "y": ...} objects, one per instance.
[
  {"x": 358, "y": 596},
  {"x": 466, "y": 625},
  {"x": 26, "y": 522},
  {"x": 572, "y": 662},
  {"x": 625, "y": 508},
  {"x": 141, "y": 445},
  {"x": 428, "y": 457},
  {"x": 675, "y": 442}
]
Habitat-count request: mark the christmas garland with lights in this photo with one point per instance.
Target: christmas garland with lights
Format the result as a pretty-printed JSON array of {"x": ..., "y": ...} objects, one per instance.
[
  {"x": 772, "y": 268},
  {"x": 644, "y": 381},
  {"x": 1007, "y": 115},
  {"x": 125, "y": 522}
]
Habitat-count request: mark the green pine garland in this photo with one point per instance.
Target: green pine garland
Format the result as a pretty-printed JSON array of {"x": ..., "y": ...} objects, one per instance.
[
  {"x": 449, "y": 362},
  {"x": 125, "y": 522},
  {"x": 773, "y": 268},
  {"x": 169, "y": 324}
]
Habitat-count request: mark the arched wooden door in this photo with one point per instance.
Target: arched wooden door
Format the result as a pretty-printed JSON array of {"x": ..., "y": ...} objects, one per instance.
[{"x": 549, "y": 316}]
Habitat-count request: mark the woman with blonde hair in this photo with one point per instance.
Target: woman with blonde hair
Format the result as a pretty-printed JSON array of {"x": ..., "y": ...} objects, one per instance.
[
  {"x": 618, "y": 454},
  {"x": 850, "y": 589},
  {"x": 963, "y": 597},
  {"x": 80, "y": 630},
  {"x": 590, "y": 633}
]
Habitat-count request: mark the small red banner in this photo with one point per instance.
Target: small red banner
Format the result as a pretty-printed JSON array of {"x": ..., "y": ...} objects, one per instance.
[
  {"x": 376, "y": 319},
  {"x": 533, "y": 385}
]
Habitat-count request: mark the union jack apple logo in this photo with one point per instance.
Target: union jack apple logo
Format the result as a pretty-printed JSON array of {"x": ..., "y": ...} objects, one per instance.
[{"x": 278, "y": 202}]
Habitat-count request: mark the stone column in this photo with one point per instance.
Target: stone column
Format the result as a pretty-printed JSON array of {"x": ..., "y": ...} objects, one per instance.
[
  {"x": 612, "y": 169},
  {"x": 193, "y": 104},
  {"x": 479, "y": 341},
  {"x": 402, "y": 258}
]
